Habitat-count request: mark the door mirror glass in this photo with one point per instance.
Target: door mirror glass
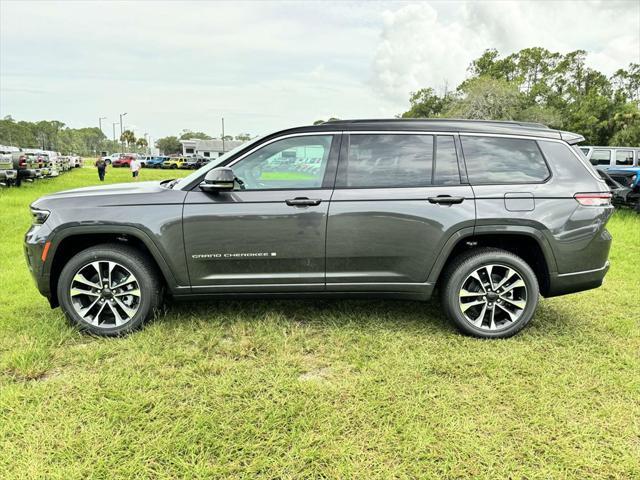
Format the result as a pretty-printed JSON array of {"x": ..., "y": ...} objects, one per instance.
[{"x": 218, "y": 180}]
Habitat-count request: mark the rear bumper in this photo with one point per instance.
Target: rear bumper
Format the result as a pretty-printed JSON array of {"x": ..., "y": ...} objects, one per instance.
[{"x": 564, "y": 283}]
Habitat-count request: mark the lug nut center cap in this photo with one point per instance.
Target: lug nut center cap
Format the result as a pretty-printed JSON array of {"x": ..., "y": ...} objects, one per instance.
[{"x": 492, "y": 296}]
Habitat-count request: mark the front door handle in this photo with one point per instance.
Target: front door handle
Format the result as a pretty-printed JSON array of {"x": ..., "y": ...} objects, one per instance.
[
  {"x": 445, "y": 200},
  {"x": 303, "y": 202}
]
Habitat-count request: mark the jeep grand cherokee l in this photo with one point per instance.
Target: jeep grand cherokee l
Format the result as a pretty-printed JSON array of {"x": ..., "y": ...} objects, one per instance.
[{"x": 490, "y": 214}]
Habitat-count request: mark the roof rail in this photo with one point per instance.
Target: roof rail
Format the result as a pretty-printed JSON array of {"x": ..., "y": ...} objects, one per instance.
[{"x": 443, "y": 120}]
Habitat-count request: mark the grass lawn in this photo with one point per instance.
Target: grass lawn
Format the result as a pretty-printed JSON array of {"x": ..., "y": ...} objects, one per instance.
[{"x": 317, "y": 389}]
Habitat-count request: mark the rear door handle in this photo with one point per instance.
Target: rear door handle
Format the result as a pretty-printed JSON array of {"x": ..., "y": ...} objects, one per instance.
[
  {"x": 445, "y": 200},
  {"x": 303, "y": 202}
]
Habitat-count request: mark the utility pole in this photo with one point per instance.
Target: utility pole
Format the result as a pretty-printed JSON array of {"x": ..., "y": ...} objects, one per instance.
[
  {"x": 114, "y": 133},
  {"x": 122, "y": 141},
  {"x": 223, "y": 135},
  {"x": 100, "y": 124}
]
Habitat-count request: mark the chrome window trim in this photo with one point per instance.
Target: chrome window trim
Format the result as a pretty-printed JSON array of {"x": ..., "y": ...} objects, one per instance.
[{"x": 422, "y": 132}]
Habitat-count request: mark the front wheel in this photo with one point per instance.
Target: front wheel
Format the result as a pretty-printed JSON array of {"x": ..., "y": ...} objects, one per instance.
[
  {"x": 109, "y": 289},
  {"x": 489, "y": 293}
]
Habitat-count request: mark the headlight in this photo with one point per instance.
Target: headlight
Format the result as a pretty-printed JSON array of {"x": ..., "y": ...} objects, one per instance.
[{"x": 39, "y": 216}]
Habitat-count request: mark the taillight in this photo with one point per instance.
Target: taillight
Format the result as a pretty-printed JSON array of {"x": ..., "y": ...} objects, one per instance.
[
  {"x": 22, "y": 161},
  {"x": 599, "y": 199}
]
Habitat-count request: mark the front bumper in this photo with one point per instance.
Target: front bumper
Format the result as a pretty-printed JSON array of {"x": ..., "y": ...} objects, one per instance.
[{"x": 34, "y": 244}]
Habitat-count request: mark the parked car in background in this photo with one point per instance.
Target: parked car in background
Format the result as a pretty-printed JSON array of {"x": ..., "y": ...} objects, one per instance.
[
  {"x": 123, "y": 161},
  {"x": 612, "y": 156},
  {"x": 622, "y": 164},
  {"x": 8, "y": 173},
  {"x": 174, "y": 162},
  {"x": 109, "y": 159},
  {"x": 620, "y": 192},
  {"x": 489, "y": 214},
  {"x": 191, "y": 163},
  {"x": 76, "y": 161},
  {"x": 25, "y": 165},
  {"x": 156, "y": 162}
]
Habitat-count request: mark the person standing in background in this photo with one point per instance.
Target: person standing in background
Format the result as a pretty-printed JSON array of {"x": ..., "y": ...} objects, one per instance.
[
  {"x": 101, "y": 165},
  {"x": 135, "y": 168}
]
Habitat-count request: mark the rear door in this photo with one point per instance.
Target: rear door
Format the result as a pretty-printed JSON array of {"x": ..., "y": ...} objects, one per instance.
[{"x": 398, "y": 198}]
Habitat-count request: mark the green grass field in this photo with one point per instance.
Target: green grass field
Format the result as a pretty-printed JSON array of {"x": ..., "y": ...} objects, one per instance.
[{"x": 317, "y": 389}]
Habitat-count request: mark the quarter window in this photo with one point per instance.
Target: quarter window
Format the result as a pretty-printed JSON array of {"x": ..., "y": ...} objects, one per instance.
[
  {"x": 601, "y": 157},
  {"x": 394, "y": 160},
  {"x": 493, "y": 160},
  {"x": 624, "y": 157},
  {"x": 290, "y": 163}
]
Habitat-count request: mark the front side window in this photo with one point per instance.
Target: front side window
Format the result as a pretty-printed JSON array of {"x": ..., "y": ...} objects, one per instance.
[
  {"x": 393, "y": 160},
  {"x": 290, "y": 163},
  {"x": 493, "y": 160},
  {"x": 624, "y": 157},
  {"x": 601, "y": 157}
]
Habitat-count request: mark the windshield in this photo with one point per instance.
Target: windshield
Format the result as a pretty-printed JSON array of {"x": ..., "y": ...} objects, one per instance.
[{"x": 213, "y": 164}]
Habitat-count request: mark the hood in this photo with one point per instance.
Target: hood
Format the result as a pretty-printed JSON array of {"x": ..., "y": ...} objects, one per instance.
[
  {"x": 116, "y": 194},
  {"x": 115, "y": 189}
]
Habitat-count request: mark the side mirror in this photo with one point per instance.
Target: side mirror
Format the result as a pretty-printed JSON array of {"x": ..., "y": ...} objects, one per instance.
[{"x": 219, "y": 179}]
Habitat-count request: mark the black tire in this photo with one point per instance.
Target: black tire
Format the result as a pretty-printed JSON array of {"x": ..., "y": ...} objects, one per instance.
[
  {"x": 463, "y": 266},
  {"x": 138, "y": 264}
]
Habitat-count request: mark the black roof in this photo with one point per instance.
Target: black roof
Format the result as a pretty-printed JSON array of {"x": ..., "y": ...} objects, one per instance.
[{"x": 444, "y": 125}]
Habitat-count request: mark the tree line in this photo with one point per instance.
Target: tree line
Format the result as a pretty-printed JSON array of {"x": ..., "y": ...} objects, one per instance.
[
  {"x": 56, "y": 136},
  {"x": 537, "y": 85}
]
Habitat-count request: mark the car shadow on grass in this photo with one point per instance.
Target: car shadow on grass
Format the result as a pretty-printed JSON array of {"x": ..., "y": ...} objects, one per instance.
[
  {"x": 388, "y": 314},
  {"x": 359, "y": 313}
]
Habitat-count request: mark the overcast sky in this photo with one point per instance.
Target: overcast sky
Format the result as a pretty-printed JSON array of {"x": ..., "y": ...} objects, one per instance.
[{"x": 269, "y": 65}]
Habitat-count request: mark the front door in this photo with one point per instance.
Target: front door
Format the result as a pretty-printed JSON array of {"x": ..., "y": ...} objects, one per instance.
[
  {"x": 269, "y": 233},
  {"x": 398, "y": 198}
]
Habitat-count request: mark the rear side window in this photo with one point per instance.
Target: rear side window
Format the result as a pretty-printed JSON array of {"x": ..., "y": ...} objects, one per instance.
[
  {"x": 493, "y": 160},
  {"x": 378, "y": 161},
  {"x": 624, "y": 157},
  {"x": 601, "y": 157}
]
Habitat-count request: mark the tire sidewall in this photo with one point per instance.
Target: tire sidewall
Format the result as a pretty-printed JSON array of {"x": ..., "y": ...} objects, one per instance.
[
  {"x": 130, "y": 263},
  {"x": 460, "y": 275}
]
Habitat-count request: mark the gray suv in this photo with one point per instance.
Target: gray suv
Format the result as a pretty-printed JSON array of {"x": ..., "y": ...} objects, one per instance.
[{"x": 489, "y": 214}]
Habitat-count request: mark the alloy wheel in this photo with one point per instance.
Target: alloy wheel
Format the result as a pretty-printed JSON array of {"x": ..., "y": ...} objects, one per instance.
[
  {"x": 493, "y": 297},
  {"x": 105, "y": 294}
]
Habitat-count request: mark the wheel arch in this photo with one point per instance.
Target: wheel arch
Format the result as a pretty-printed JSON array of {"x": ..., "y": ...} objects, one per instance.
[
  {"x": 68, "y": 242},
  {"x": 528, "y": 243}
]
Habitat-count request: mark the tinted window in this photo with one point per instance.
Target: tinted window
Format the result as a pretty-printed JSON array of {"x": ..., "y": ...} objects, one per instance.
[
  {"x": 601, "y": 157},
  {"x": 503, "y": 160},
  {"x": 291, "y": 163},
  {"x": 376, "y": 161},
  {"x": 624, "y": 157},
  {"x": 446, "y": 162}
]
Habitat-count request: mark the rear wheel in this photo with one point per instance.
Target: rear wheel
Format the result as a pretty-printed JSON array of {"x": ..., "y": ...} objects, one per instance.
[
  {"x": 109, "y": 289},
  {"x": 489, "y": 293}
]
